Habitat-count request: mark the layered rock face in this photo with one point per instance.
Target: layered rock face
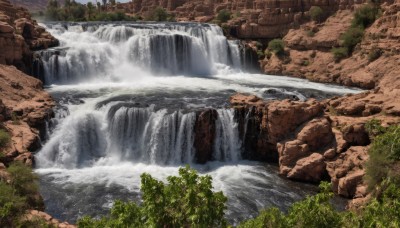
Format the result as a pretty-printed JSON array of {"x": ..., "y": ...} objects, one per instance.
[
  {"x": 24, "y": 107},
  {"x": 254, "y": 19},
  {"x": 32, "y": 5},
  {"x": 309, "y": 56},
  {"x": 19, "y": 34},
  {"x": 310, "y": 141}
]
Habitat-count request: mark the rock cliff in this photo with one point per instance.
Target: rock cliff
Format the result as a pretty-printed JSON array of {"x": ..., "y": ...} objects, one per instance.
[
  {"x": 308, "y": 51},
  {"x": 253, "y": 19},
  {"x": 311, "y": 140},
  {"x": 19, "y": 35}
]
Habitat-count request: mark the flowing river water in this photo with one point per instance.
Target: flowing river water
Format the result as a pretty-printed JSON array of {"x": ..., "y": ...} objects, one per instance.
[{"x": 127, "y": 96}]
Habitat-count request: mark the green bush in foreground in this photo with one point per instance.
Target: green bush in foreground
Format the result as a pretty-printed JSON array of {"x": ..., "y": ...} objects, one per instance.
[
  {"x": 316, "y": 212},
  {"x": 4, "y": 138},
  {"x": 19, "y": 195},
  {"x": 186, "y": 200},
  {"x": 384, "y": 160}
]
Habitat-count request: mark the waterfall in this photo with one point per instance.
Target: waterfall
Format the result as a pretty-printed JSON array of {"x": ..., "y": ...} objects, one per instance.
[
  {"x": 227, "y": 143},
  {"x": 124, "y": 131},
  {"x": 91, "y": 51}
]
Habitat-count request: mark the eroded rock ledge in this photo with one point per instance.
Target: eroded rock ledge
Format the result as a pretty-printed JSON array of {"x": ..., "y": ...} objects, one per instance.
[
  {"x": 19, "y": 35},
  {"x": 309, "y": 141}
]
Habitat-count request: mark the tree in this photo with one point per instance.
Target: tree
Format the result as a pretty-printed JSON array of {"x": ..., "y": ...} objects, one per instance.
[
  {"x": 90, "y": 10},
  {"x": 186, "y": 200}
]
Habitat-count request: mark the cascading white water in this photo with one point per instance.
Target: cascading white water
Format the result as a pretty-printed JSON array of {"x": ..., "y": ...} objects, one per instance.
[
  {"x": 123, "y": 132},
  {"x": 95, "y": 50},
  {"x": 128, "y": 104},
  {"x": 227, "y": 141}
]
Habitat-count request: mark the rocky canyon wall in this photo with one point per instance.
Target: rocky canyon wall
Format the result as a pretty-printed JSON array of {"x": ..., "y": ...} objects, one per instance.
[
  {"x": 253, "y": 19},
  {"x": 19, "y": 35}
]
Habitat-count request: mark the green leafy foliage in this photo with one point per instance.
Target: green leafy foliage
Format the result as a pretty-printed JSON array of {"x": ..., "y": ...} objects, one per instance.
[
  {"x": 4, "y": 138},
  {"x": 186, "y": 200},
  {"x": 316, "y": 13},
  {"x": 365, "y": 16},
  {"x": 384, "y": 157},
  {"x": 158, "y": 14},
  {"x": 374, "y": 128},
  {"x": 17, "y": 196},
  {"x": 314, "y": 211},
  {"x": 351, "y": 38},
  {"x": 277, "y": 46},
  {"x": 74, "y": 11},
  {"x": 11, "y": 205},
  {"x": 24, "y": 181},
  {"x": 374, "y": 54},
  {"x": 339, "y": 53},
  {"x": 317, "y": 211},
  {"x": 224, "y": 16}
]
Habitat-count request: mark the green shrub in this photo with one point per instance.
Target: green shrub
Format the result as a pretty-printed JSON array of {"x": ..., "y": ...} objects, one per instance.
[
  {"x": 382, "y": 211},
  {"x": 159, "y": 14},
  {"x": 260, "y": 54},
  {"x": 4, "y": 138},
  {"x": 224, "y": 16},
  {"x": 314, "y": 211},
  {"x": 351, "y": 38},
  {"x": 374, "y": 128},
  {"x": 277, "y": 46},
  {"x": 316, "y": 13},
  {"x": 187, "y": 200},
  {"x": 270, "y": 218},
  {"x": 374, "y": 54},
  {"x": 384, "y": 157},
  {"x": 310, "y": 33},
  {"x": 365, "y": 16},
  {"x": 11, "y": 205},
  {"x": 24, "y": 181},
  {"x": 340, "y": 53}
]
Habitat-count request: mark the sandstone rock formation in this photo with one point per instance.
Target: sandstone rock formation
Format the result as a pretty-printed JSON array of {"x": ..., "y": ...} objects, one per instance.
[
  {"x": 310, "y": 142},
  {"x": 31, "y": 5},
  {"x": 19, "y": 35},
  {"x": 25, "y": 108},
  {"x": 308, "y": 54},
  {"x": 253, "y": 19},
  {"x": 53, "y": 222}
]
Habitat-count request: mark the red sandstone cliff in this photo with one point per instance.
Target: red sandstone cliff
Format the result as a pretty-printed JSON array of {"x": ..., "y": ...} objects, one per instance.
[{"x": 19, "y": 35}]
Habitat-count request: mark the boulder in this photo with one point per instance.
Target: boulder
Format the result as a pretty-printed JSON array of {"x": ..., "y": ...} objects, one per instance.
[
  {"x": 311, "y": 168},
  {"x": 205, "y": 131}
]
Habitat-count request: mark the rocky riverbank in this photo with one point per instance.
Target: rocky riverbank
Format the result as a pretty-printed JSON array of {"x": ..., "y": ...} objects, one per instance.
[
  {"x": 311, "y": 141},
  {"x": 24, "y": 105}
]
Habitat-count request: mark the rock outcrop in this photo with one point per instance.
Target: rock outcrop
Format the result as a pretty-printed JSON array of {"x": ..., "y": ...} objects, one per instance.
[
  {"x": 253, "y": 19},
  {"x": 308, "y": 52},
  {"x": 19, "y": 35},
  {"x": 32, "y": 5},
  {"x": 310, "y": 141},
  {"x": 24, "y": 107}
]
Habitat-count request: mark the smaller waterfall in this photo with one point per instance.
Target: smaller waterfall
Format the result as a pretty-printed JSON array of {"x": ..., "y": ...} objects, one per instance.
[
  {"x": 123, "y": 131},
  {"x": 227, "y": 142}
]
